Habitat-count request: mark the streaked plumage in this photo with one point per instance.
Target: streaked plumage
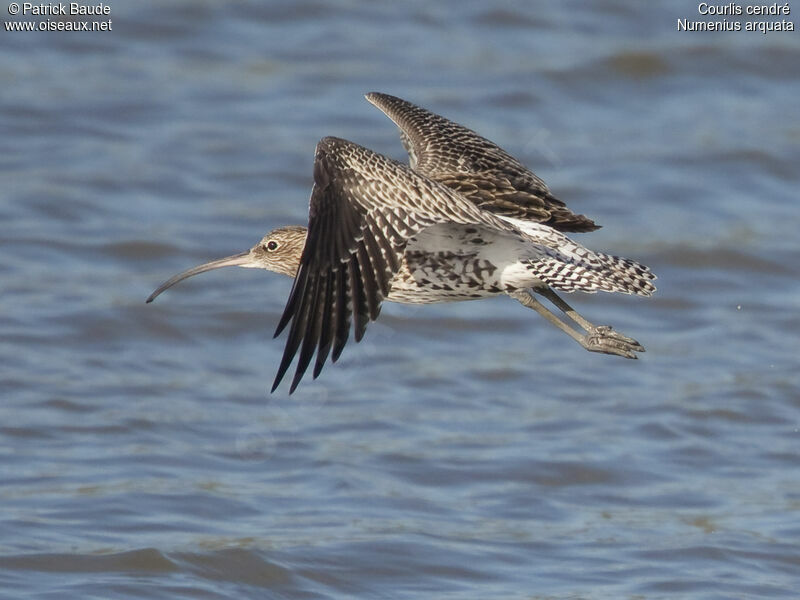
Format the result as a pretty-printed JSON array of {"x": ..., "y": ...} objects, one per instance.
[
  {"x": 440, "y": 231},
  {"x": 475, "y": 167}
]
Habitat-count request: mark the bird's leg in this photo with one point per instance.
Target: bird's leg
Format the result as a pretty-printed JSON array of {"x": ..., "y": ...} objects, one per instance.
[
  {"x": 561, "y": 305},
  {"x": 597, "y": 338},
  {"x": 603, "y": 330},
  {"x": 527, "y": 299}
]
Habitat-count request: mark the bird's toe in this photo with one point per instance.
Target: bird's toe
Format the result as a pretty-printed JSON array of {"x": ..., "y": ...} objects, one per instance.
[{"x": 606, "y": 340}]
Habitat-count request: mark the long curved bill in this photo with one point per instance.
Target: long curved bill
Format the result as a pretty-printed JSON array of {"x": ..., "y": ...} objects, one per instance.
[{"x": 237, "y": 260}]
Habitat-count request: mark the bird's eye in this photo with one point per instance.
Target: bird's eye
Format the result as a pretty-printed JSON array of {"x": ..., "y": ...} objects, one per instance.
[{"x": 272, "y": 245}]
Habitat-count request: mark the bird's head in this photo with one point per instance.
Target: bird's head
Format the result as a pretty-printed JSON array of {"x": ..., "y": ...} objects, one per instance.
[{"x": 278, "y": 251}]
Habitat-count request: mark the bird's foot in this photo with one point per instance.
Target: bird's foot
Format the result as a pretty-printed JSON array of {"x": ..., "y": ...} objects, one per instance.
[{"x": 604, "y": 339}]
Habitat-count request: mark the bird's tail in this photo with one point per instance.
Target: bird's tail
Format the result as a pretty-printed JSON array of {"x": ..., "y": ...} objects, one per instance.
[{"x": 579, "y": 269}]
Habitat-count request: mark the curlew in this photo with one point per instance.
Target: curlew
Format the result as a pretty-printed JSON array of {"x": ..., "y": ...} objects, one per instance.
[{"x": 465, "y": 220}]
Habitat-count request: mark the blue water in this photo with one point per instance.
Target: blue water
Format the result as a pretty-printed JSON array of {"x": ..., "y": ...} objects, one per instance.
[{"x": 460, "y": 451}]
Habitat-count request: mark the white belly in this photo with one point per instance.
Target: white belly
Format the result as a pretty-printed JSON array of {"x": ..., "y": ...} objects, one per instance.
[{"x": 449, "y": 263}]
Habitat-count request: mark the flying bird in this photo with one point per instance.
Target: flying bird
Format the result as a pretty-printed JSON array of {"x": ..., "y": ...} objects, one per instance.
[{"x": 464, "y": 220}]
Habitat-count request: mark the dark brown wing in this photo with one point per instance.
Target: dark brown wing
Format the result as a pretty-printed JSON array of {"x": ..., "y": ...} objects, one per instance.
[
  {"x": 460, "y": 158},
  {"x": 364, "y": 207}
]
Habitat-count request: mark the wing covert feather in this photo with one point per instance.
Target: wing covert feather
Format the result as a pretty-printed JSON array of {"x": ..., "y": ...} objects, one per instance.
[
  {"x": 476, "y": 167},
  {"x": 363, "y": 209}
]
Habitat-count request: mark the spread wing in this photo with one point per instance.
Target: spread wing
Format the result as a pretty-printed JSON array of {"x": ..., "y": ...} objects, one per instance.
[
  {"x": 479, "y": 169},
  {"x": 363, "y": 209}
]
